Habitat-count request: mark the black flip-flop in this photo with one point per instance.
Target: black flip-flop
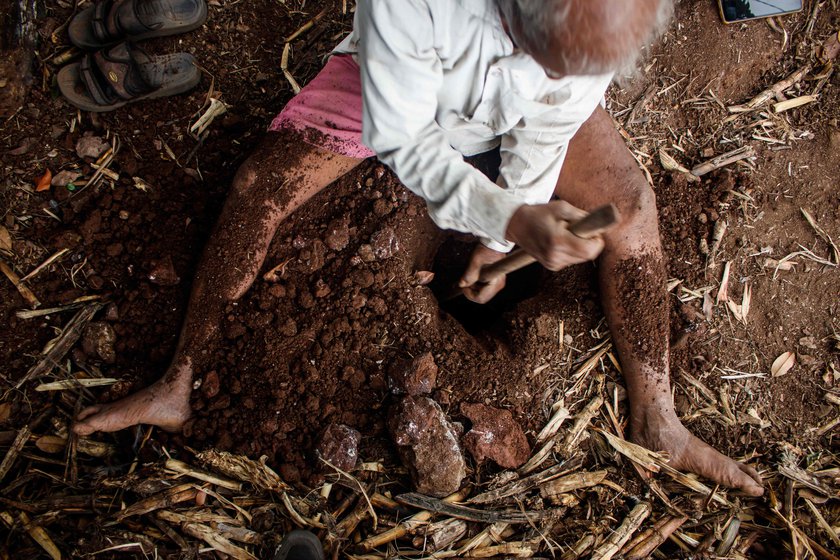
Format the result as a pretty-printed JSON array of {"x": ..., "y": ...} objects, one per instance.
[
  {"x": 111, "y": 21},
  {"x": 108, "y": 79},
  {"x": 300, "y": 545}
]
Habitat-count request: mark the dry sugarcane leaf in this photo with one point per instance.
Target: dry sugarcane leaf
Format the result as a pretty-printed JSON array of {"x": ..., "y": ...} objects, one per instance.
[
  {"x": 522, "y": 485},
  {"x": 183, "y": 468},
  {"x": 782, "y": 364},
  {"x": 215, "y": 540},
  {"x": 622, "y": 534},
  {"x": 244, "y": 469},
  {"x": 13, "y": 452},
  {"x": 69, "y": 336},
  {"x": 165, "y": 499},
  {"x": 440, "y": 535},
  {"x": 400, "y": 530},
  {"x": 495, "y": 533},
  {"x": 554, "y": 489},
  {"x": 5, "y": 239},
  {"x": 467, "y": 513},
  {"x": 524, "y": 549},
  {"x": 40, "y": 536},
  {"x": 579, "y": 548}
]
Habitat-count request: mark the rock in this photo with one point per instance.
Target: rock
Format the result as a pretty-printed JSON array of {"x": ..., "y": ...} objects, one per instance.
[
  {"x": 808, "y": 342},
  {"x": 64, "y": 178},
  {"x": 314, "y": 257},
  {"x": 91, "y": 146},
  {"x": 414, "y": 377},
  {"x": 98, "y": 341},
  {"x": 495, "y": 436},
  {"x": 338, "y": 235},
  {"x": 114, "y": 249},
  {"x": 384, "y": 243},
  {"x": 163, "y": 272},
  {"x": 339, "y": 446},
  {"x": 428, "y": 445},
  {"x": 366, "y": 253},
  {"x": 210, "y": 385}
]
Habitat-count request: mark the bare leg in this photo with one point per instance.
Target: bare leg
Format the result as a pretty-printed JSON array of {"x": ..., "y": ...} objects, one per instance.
[
  {"x": 267, "y": 188},
  {"x": 599, "y": 169}
]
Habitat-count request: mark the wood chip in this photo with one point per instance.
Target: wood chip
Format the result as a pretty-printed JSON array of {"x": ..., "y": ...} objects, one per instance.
[
  {"x": 24, "y": 292},
  {"x": 12, "y": 454},
  {"x": 789, "y": 104},
  {"x": 723, "y": 160}
]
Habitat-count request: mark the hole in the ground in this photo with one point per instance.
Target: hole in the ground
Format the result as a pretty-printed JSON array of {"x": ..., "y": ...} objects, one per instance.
[{"x": 477, "y": 319}]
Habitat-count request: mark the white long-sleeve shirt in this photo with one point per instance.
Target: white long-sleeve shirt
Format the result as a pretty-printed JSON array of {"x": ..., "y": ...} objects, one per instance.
[{"x": 441, "y": 80}]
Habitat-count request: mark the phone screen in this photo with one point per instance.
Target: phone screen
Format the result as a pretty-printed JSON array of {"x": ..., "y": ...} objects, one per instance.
[{"x": 738, "y": 10}]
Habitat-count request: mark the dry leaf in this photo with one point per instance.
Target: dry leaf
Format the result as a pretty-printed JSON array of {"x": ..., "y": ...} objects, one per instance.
[
  {"x": 5, "y": 239},
  {"x": 43, "y": 183},
  {"x": 782, "y": 364},
  {"x": 5, "y": 411},
  {"x": 51, "y": 444}
]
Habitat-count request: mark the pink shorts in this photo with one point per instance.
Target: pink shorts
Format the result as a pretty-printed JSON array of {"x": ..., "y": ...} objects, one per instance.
[{"x": 330, "y": 104}]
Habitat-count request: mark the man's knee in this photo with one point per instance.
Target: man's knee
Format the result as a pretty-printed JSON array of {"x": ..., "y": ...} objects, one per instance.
[
  {"x": 246, "y": 175},
  {"x": 636, "y": 200}
]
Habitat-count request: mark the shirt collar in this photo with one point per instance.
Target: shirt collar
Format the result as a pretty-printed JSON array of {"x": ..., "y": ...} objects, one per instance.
[{"x": 485, "y": 9}]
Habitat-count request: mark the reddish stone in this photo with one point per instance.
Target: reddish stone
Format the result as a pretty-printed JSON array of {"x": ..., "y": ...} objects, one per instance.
[
  {"x": 98, "y": 341},
  {"x": 384, "y": 243},
  {"x": 210, "y": 385},
  {"x": 414, "y": 377},
  {"x": 163, "y": 272},
  {"x": 338, "y": 235},
  {"x": 339, "y": 446},
  {"x": 495, "y": 436},
  {"x": 428, "y": 445}
]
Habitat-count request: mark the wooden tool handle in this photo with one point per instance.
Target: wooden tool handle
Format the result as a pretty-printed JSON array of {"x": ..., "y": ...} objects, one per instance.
[{"x": 596, "y": 223}]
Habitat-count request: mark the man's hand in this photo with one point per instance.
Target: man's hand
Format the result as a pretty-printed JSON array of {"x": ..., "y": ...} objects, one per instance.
[
  {"x": 542, "y": 231},
  {"x": 481, "y": 293}
]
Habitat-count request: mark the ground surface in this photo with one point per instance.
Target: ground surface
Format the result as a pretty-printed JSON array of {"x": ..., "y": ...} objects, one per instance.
[{"x": 312, "y": 341}]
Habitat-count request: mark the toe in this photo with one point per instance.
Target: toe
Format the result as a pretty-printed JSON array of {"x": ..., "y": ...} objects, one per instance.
[
  {"x": 89, "y": 411},
  {"x": 83, "y": 428},
  {"x": 753, "y": 486}
]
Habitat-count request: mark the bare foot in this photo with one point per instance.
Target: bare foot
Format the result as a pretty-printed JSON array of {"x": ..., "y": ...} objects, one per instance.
[
  {"x": 164, "y": 404},
  {"x": 665, "y": 432}
]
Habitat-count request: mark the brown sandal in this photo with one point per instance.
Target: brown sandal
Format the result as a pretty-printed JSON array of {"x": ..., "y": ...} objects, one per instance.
[
  {"x": 111, "y": 21},
  {"x": 108, "y": 79}
]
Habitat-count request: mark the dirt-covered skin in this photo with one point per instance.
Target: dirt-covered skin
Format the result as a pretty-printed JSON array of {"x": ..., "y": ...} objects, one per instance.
[
  {"x": 284, "y": 172},
  {"x": 632, "y": 278}
]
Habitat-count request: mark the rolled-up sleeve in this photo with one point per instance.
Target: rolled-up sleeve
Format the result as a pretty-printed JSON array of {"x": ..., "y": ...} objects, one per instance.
[
  {"x": 401, "y": 75},
  {"x": 534, "y": 150}
]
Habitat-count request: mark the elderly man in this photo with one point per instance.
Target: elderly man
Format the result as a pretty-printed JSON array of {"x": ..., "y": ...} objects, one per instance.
[{"x": 420, "y": 84}]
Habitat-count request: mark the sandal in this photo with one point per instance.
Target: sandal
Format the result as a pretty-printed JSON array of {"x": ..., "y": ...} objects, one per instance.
[
  {"x": 111, "y": 21},
  {"x": 108, "y": 79}
]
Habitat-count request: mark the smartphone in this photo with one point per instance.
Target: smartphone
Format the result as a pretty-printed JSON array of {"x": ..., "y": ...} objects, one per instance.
[{"x": 733, "y": 11}]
